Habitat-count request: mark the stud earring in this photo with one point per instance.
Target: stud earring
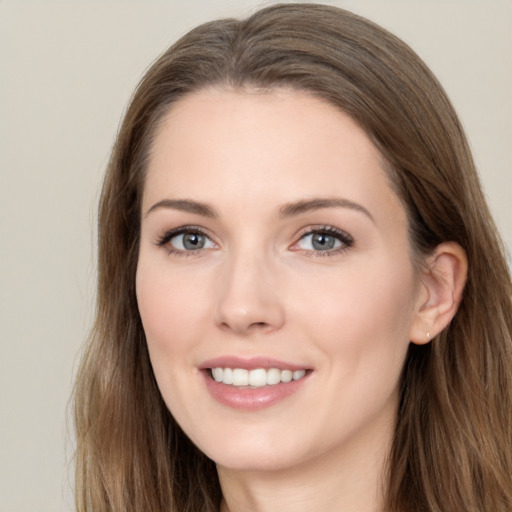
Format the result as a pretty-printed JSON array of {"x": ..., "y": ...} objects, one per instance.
[{"x": 428, "y": 335}]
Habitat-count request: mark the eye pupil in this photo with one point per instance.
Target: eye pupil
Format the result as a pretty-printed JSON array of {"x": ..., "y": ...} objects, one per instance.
[
  {"x": 193, "y": 241},
  {"x": 321, "y": 241}
]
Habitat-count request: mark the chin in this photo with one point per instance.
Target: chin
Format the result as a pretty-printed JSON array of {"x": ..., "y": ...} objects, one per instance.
[
  {"x": 255, "y": 452},
  {"x": 254, "y": 462}
]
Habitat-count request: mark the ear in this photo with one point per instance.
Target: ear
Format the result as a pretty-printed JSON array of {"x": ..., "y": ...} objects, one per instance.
[{"x": 441, "y": 287}]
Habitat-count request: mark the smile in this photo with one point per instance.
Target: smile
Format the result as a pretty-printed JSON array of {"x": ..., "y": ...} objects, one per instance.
[{"x": 257, "y": 378}]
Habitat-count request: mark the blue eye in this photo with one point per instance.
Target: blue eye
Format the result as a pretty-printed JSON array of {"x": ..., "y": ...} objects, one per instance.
[
  {"x": 186, "y": 240},
  {"x": 325, "y": 240},
  {"x": 189, "y": 241},
  {"x": 319, "y": 242}
]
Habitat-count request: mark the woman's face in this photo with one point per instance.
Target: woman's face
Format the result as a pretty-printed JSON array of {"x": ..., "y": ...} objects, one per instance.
[{"x": 273, "y": 248}]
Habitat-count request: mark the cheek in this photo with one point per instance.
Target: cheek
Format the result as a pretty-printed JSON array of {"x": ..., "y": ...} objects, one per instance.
[
  {"x": 169, "y": 307},
  {"x": 169, "y": 311},
  {"x": 363, "y": 314}
]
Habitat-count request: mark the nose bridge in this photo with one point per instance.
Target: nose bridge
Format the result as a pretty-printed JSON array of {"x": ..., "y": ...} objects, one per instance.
[{"x": 248, "y": 298}]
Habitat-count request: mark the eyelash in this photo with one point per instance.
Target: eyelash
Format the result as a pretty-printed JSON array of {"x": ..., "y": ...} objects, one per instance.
[
  {"x": 169, "y": 235},
  {"x": 347, "y": 241}
]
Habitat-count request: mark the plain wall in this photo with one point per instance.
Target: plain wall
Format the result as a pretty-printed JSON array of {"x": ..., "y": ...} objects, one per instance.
[{"x": 67, "y": 70}]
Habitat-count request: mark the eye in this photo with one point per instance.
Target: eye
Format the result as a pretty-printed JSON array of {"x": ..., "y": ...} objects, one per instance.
[
  {"x": 186, "y": 240},
  {"x": 324, "y": 240}
]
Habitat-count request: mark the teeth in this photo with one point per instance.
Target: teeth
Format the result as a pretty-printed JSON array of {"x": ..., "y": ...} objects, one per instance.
[
  {"x": 217, "y": 374},
  {"x": 298, "y": 374},
  {"x": 273, "y": 376},
  {"x": 240, "y": 377},
  {"x": 286, "y": 376},
  {"x": 255, "y": 378},
  {"x": 227, "y": 375}
]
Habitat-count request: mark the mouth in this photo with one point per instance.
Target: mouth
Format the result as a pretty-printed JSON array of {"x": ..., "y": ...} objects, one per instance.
[
  {"x": 254, "y": 383},
  {"x": 256, "y": 378}
]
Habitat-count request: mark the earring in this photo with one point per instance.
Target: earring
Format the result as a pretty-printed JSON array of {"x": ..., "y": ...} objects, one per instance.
[{"x": 428, "y": 335}]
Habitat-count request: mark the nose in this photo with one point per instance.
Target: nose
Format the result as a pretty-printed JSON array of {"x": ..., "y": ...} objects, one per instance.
[{"x": 248, "y": 297}]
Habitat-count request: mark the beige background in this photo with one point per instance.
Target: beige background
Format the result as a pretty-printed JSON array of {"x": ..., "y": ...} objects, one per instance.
[{"x": 66, "y": 72}]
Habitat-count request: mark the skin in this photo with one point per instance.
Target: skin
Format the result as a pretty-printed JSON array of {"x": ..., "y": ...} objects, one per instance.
[{"x": 259, "y": 288}]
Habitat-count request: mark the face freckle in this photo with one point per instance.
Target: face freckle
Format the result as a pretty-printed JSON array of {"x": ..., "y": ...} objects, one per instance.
[{"x": 270, "y": 237}]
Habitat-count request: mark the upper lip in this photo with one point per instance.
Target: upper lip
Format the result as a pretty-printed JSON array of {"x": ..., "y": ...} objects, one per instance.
[{"x": 250, "y": 363}]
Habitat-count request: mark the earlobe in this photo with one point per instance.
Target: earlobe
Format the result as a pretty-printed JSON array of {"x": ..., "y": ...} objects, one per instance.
[{"x": 442, "y": 284}]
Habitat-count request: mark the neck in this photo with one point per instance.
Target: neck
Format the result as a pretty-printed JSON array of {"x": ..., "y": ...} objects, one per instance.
[{"x": 348, "y": 479}]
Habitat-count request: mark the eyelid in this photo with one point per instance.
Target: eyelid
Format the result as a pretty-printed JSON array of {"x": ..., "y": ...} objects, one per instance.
[
  {"x": 165, "y": 239},
  {"x": 345, "y": 238}
]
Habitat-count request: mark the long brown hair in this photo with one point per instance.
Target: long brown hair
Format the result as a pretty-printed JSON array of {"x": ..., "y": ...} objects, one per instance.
[{"x": 453, "y": 441}]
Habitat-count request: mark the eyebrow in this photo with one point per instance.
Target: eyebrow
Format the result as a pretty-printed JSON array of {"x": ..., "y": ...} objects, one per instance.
[
  {"x": 185, "y": 205},
  {"x": 308, "y": 205},
  {"x": 288, "y": 210}
]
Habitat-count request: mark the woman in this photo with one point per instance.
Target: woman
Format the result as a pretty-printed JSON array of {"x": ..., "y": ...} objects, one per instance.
[{"x": 303, "y": 300}]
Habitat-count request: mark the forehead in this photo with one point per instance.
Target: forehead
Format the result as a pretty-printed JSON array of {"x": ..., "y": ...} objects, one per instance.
[{"x": 217, "y": 144}]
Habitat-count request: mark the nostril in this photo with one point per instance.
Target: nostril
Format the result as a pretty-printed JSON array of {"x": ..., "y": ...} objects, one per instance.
[
  {"x": 253, "y": 326},
  {"x": 249, "y": 313},
  {"x": 259, "y": 326}
]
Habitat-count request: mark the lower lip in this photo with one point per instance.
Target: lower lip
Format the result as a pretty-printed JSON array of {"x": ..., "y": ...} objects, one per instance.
[{"x": 251, "y": 399}]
